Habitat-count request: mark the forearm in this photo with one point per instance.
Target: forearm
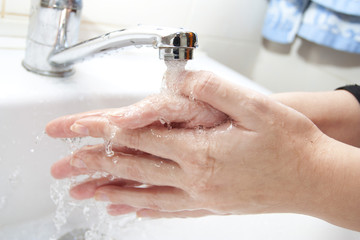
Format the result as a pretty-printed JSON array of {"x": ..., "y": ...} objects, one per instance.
[
  {"x": 336, "y": 113},
  {"x": 334, "y": 187}
]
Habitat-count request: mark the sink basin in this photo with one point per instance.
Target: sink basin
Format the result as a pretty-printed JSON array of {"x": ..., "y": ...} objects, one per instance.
[{"x": 28, "y": 102}]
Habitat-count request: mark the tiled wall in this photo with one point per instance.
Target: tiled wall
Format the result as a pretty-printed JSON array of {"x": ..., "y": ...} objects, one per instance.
[{"x": 229, "y": 31}]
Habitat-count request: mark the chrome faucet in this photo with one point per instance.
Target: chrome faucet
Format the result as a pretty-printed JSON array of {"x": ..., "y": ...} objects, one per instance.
[{"x": 52, "y": 47}]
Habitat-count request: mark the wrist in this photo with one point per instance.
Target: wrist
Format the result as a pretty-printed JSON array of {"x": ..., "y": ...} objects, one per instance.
[
  {"x": 330, "y": 189},
  {"x": 336, "y": 113}
]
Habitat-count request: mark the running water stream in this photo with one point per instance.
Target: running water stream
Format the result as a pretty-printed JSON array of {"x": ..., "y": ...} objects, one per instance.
[{"x": 85, "y": 219}]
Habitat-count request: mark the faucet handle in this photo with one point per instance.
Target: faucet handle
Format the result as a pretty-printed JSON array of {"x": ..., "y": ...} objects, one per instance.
[{"x": 53, "y": 25}]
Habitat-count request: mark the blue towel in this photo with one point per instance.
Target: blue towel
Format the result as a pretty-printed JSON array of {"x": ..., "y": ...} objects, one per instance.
[{"x": 332, "y": 23}]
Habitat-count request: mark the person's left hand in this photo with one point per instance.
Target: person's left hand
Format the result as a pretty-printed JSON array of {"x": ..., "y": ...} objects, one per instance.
[{"x": 262, "y": 159}]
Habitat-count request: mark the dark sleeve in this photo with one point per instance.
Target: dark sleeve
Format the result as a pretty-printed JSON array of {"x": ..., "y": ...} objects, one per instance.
[{"x": 353, "y": 89}]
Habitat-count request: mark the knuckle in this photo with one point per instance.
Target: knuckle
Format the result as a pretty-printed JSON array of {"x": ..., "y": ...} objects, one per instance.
[
  {"x": 201, "y": 168},
  {"x": 207, "y": 83},
  {"x": 257, "y": 103},
  {"x": 133, "y": 172},
  {"x": 131, "y": 138},
  {"x": 196, "y": 157},
  {"x": 153, "y": 200}
]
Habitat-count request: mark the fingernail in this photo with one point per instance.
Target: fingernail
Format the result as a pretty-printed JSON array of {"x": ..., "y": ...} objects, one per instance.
[
  {"x": 77, "y": 162},
  {"x": 79, "y": 129},
  {"x": 116, "y": 114},
  {"x": 102, "y": 197}
]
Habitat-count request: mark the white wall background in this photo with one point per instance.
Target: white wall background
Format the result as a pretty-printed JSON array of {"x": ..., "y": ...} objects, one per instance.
[{"x": 229, "y": 31}]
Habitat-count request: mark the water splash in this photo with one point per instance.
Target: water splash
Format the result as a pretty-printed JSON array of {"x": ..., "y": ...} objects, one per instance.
[
  {"x": 108, "y": 148},
  {"x": 108, "y": 142},
  {"x": 102, "y": 228},
  {"x": 64, "y": 206},
  {"x": 73, "y": 143},
  {"x": 95, "y": 223}
]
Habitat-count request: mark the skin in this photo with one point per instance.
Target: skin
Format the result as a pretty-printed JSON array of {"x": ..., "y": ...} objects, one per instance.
[
  {"x": 251, "y": 154},
  {"x": 336, "y": 113}
]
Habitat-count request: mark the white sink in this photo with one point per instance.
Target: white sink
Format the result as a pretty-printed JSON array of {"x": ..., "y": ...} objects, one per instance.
[{"x": 29, "y": 101}]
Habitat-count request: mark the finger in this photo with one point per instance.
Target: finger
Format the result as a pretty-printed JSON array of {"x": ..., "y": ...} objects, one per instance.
[
  {"x": 87, "y": 189},
  {"x": 155, "y": 198},
  {"x": 63, "y": 168},
  {"x": 167, "y": 109},
  {"x": 120, "y": 209},
  {"x": 60, "y": 127},
  {"x": 140, "y": 167},
  {"x": 97, "y": 126},
  {"x": 148, "y": 213},
  {"x": 171, "y": 144},
  {"x": 246, "y": 107}
]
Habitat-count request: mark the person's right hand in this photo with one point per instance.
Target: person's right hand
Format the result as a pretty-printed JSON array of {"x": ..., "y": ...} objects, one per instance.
[{"x": 261, "y": 160}]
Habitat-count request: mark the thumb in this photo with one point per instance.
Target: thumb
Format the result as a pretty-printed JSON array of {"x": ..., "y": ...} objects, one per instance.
[{"x": 244, "y": 106}]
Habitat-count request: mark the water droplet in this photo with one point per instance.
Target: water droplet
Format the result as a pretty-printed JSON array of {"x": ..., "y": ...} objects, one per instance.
[
  {"x": 230, "y": 127},
  {"x": 108, "y": 148},
  {"x": 200, "y": 129},
  {"x": 40, "y": 137},
  {"x": 191, "y": 96},
  {"x": 112, "y": 177},
  {"x": 158, "y": 165},
  {"x": 32, "y": 150},
  {"x": 97, "y": 175},
  {"x": 154, "y": 133},
  {"x": 108, "y": 143}
]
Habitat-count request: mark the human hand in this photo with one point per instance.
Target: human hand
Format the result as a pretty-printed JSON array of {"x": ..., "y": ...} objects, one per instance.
[
  {"x": 260, "y": 160},
  {"x": 159, "y": 109}
]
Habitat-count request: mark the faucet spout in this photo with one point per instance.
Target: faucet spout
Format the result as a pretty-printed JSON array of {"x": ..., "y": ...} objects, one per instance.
[
  {"x": 52, "y": 47},
  {"x": 173, "y": 44}
]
